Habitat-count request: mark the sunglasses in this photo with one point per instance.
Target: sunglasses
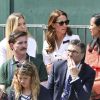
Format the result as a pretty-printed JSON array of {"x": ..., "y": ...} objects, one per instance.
[
  {"x": 19, "y": 65},
  {"x": 61, "y": 23}
]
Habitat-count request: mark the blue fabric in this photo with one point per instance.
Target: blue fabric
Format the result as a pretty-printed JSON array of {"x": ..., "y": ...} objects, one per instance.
[{"x": 67, "y": 89}]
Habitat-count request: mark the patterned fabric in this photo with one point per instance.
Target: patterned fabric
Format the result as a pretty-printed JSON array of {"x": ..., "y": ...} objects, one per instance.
[
  {"x": 25, "y": 97},
  {"x": 67, "y": 89}
]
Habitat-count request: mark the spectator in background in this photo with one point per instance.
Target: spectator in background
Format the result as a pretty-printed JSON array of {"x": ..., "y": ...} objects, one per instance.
[
  {"x": 18, "y": 45},
  {"x": 15, "y": 22},
  {"x": 93, "y": 53},
  {"x": 71, "y": 79},
  {"x": 57, "y": 37},
  {"x": 26, "y": 84}
]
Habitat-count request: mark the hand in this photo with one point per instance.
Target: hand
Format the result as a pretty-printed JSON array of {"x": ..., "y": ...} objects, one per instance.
[
  {"x": 74, "y": 70},
  {"x": 48, "y": 68}
]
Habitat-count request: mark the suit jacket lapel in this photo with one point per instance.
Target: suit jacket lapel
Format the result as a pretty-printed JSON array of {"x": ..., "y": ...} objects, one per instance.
[
  {"x": 63, "y": 72},
  {"x": 81, "y": 74}
]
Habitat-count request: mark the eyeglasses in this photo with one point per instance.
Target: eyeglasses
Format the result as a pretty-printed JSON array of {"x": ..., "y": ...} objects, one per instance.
[
  {"x": 61, "y": 23},
  {"x": 19, "y": 65},
  {"x": 73, "y": 51}
]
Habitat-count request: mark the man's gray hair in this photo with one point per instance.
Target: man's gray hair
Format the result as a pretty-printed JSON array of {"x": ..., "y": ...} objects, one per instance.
[{"x": 79, "y": 44}]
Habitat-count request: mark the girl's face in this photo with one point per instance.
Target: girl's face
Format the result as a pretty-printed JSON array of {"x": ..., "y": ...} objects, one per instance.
[
  {"x": 95, "y": 30},
  {"x": 24, "y": 81},
  {"x": 21, "y": 25},
  {"x": 61, "y": 25}
]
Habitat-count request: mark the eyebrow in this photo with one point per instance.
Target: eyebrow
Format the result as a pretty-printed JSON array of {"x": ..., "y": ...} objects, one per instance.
[{"x": 72, "y": 50}]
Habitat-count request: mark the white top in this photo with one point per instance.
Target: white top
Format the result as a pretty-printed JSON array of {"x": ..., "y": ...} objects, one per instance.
[
  {"x": 31, "y": 49},
  {"x": 58, "y": 53}
]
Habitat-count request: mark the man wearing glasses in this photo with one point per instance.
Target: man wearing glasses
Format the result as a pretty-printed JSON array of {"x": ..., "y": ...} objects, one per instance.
[
  {"x": 71, "y": 79},
  {"x": 18, "y": 44}
]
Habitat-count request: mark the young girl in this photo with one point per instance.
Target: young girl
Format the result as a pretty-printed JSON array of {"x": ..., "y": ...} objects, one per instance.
[{"x": 26, "y": 84}]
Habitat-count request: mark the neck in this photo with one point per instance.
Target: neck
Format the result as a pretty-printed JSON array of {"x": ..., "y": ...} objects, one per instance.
[
  {"x": 20, "y": 58},
  {"x": 26, "y": 91},
  {"x": 60, "y": 37}
]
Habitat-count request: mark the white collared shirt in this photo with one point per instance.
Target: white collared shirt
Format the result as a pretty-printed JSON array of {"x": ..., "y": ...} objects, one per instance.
[{"x": 58, "y": 53}]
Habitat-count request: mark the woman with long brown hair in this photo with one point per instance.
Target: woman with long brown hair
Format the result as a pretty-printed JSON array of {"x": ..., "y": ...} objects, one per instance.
[{"x": 57, "y": 37}]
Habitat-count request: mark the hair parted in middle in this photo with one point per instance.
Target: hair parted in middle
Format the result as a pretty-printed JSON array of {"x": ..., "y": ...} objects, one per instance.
[{"x": 27, "y": 69}]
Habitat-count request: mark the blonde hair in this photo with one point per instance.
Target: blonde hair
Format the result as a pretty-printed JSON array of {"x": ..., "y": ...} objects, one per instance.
[
  {"x": 30, "y": 70},
  {"x": 11, "y": 25}
]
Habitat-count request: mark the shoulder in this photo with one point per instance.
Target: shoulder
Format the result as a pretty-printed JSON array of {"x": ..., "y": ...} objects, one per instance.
[
  {"x": 45, "y": 43},
  {"x": 3, "y": 43},
  {"x": 59, "y": 64},
  {"x": 5, "y": 64},
  {"x": 88, "y": 69},
  {"x": 31, "y": 39},
  {"x": 11, "y": 93},
  {"x": 37, "y": 60}
]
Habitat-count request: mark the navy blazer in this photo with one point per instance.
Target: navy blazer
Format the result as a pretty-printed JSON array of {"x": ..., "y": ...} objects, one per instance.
[{"x": 81, "y": 88}]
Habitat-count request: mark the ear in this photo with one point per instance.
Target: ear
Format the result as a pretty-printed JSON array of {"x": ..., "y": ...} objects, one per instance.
[{"x": 11, "y": 45}]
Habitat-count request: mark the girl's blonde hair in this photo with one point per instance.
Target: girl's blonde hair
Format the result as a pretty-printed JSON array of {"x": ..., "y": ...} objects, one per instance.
[
  {"x": 30, "y": 70},
  {"x": 11, "y": 26}
]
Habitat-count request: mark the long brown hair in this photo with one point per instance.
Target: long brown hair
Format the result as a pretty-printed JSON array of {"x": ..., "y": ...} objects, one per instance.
[{"x": 50, "y": 34}]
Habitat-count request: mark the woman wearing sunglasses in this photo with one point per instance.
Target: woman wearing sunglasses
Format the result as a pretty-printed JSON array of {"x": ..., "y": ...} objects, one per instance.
[{"x": 57, "y": 37}]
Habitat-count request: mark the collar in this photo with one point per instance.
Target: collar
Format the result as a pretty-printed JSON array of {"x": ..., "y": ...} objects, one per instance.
[{"x": 13, "y": 61}]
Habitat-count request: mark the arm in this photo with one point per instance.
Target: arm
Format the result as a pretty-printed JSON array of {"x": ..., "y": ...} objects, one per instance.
[
  {"x": 46, "y": 56},
  {"x": 83, "y": 89},
  {"x": 2, "y": 52},
  {"x": 51, "y": 82},
  {"x": 31, "y": 49},
  {"x": 48, "y": 68},
  {"x": 2, "y": 78},
  {"x": 43, "y": 73}
]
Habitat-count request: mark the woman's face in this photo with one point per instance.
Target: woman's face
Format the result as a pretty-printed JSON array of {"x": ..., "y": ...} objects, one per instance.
[
  {"x": 95, "y": 30},
  {"x": 21, "y": 25},
  {"x": 61, "y": 25},
  {"x": 24, "y": 81}
]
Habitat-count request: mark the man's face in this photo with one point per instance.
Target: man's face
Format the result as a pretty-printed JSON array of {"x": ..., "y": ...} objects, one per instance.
[
  {"x": 75, "y": 53},
  {"x": 20, "y": 46}
]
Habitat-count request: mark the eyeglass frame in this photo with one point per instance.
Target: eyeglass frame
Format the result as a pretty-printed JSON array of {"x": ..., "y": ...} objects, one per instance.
[
  {"x": 73, "y": 51},
  {"x": 61, "y": 23}
]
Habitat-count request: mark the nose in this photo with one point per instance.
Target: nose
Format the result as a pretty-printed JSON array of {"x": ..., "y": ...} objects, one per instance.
[
  {"x": 70, "y": 54},
  {"x": 24, "y": 44},
  {"x": 65, "y": 24},
  {"x": 21, "y": 81}
]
